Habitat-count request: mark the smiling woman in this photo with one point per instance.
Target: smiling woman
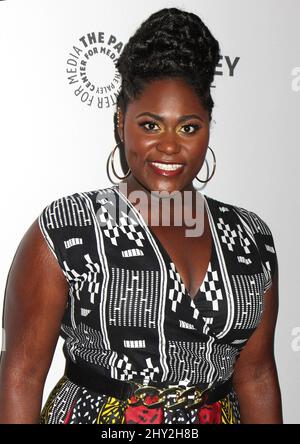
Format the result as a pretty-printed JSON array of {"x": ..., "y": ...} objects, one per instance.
[
  {"x": 174, "y": 135},
  {"x": 159, "y": 326}
]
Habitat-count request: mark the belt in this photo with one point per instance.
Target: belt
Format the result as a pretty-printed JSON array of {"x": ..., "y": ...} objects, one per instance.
[{"x": 124, "y": 390}]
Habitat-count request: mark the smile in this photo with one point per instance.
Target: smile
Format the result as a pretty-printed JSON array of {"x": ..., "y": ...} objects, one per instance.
[{"x": 166, "y": 169}]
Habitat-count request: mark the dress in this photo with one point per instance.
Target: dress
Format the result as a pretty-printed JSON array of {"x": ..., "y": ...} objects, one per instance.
[{"x": 130, "y": 317}]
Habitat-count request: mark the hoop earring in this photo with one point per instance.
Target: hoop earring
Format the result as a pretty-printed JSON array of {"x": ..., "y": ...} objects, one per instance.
[
  {"x": 111, "y": 159},
  {"x": 214, "y": 168}
]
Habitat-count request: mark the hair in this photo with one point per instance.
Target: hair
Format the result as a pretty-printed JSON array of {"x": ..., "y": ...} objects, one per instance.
[{"x": 171, "y": 43}]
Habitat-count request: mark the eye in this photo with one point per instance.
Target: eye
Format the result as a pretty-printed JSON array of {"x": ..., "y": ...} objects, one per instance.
[
  {"x": 147, "y": 122},
  {"x": 190, "y": 125},
  {"x": 152, "y": 125}
]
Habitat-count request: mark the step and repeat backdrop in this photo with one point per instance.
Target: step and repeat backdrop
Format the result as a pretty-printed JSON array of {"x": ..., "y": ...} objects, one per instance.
[{"x": 59, "y": 84}]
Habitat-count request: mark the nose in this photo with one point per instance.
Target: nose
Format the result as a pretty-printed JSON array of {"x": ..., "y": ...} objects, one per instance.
[{"x": 168, "y": 144}]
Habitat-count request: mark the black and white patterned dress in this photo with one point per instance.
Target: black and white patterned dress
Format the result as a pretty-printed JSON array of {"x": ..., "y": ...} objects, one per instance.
[{"x": 129, "y": 315}]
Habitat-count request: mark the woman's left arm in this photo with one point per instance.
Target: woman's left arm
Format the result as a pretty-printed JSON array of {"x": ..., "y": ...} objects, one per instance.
[{"x": 255, "y": 374}]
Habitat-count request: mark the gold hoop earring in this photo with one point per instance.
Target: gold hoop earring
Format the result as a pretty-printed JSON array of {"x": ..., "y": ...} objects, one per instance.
[
  {"x": 111, "y": 159},
  {"x": 214, "y": 167}
]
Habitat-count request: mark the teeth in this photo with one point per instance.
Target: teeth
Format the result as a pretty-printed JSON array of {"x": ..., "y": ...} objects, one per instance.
[{"x": 164, "y": 166}]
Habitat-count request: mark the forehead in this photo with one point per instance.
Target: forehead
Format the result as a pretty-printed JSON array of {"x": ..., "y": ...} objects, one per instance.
[{"x": 166, "y": 95}]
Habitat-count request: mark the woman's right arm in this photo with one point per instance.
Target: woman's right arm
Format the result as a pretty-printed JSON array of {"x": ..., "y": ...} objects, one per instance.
[{"x": 35, "y": 300}]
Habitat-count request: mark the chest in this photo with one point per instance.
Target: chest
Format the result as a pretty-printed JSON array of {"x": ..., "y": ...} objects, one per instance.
[
  {"x": 124, "y": 270},
  {"x": 190, "y": 254}
]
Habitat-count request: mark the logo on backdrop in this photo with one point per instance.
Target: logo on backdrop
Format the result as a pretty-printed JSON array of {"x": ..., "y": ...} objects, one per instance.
[
  {"x": 227, "y": 66},
  {"x": 91, "y": 69},
  {"x": 92, "y": 73},
  {"x": 296, "y": 79}
]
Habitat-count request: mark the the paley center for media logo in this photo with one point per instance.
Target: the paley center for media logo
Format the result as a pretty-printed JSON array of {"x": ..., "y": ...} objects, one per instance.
[{"x": 91, "y": 70}]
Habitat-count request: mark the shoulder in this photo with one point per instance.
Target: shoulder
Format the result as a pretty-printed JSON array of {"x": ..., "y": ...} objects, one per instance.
[
  {"x": 70, "y": 215},
  {"x": 255, "y": 221},
  {"x": 71, "y": 209},
  {"x": 65, "y": 220},
  {"x": 248, "y": 224},
  {"x": 78, "y": 196}
]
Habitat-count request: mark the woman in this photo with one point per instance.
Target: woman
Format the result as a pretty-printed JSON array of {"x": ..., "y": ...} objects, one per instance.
[{"x": 160, "y": 326}]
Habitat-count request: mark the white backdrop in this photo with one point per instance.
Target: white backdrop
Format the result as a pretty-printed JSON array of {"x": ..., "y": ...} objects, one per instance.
[{"x": 55, "y": 138}]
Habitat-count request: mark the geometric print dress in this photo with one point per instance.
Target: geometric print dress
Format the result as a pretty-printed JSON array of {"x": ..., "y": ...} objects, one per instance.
[{"x": 130, "y": 317}]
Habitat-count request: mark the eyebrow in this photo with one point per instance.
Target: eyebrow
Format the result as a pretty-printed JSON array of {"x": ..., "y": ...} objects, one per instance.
[{"x": 161, "y": 119}]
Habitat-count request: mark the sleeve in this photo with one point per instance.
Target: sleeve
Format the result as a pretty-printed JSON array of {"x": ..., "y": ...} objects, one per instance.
[
  {"x": 49, "y": 225},
  {"x": 266, "y": 246}
]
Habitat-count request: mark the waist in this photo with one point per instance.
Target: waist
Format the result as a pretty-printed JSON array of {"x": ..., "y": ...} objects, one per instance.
[{"x": 163, "y": 391}]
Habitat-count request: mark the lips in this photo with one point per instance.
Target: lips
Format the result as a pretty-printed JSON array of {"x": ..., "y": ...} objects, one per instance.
[
  {"x": 171, "y": 169},
  {"x": 167, "y": 163}
]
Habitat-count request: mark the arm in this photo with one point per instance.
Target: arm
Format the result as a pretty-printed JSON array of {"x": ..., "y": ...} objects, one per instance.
[
  {"x": 35, "y": 300},
  {"x": 255, "y": 375}
]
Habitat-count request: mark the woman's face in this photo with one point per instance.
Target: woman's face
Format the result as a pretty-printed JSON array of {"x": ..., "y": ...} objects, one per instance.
[{"x": 167, "y": 124}]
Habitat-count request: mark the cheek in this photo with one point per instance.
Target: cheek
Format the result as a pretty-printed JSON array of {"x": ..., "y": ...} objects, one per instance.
[
  {"x": 136, "y": 149},
  {"x": 134, "y": 157},
  {"x": 198, "y": 161},
  {"x": 137, "y": 141},
  {"x": 198, "y": 154},
  {"x": 204, "y": 136}
]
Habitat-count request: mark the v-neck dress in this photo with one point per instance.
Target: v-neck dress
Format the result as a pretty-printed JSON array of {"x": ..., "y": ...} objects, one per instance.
[{"x": 130, "y": 317}]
